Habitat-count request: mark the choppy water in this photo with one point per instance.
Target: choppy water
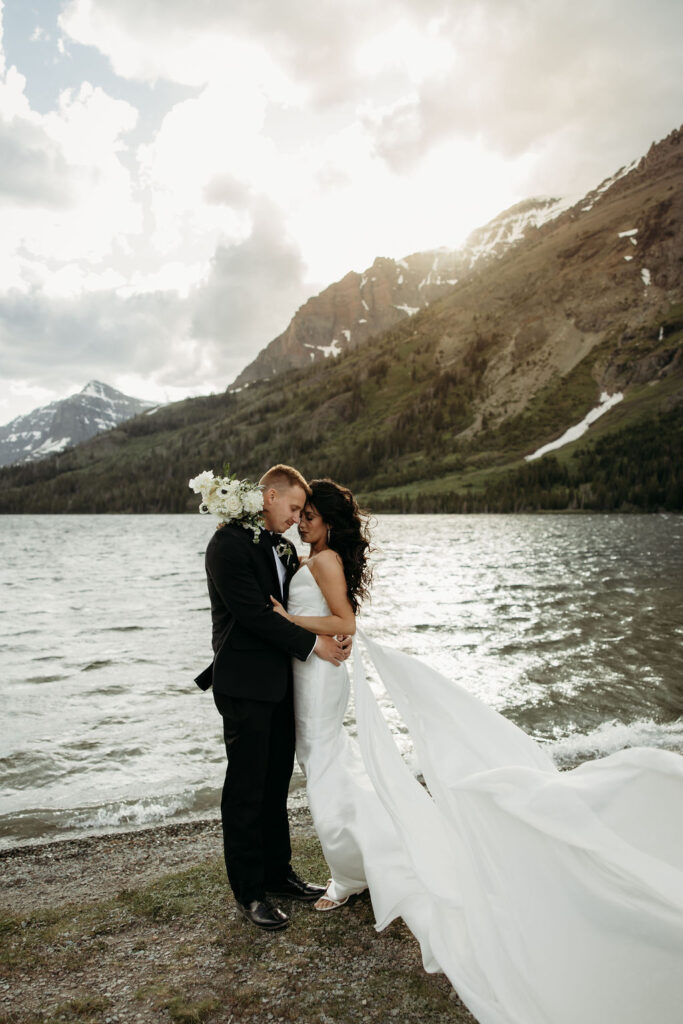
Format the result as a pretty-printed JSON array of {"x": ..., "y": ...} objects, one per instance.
[{"x": 569, "y": 625}]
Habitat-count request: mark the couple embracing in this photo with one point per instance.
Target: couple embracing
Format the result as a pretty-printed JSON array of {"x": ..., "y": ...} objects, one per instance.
[
  {"x": 276, "y": 673},
  {"x": 546, "y": 897}
]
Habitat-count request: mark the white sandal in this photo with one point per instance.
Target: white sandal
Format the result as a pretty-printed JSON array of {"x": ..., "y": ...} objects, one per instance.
[{"x": 335, "y": 904}]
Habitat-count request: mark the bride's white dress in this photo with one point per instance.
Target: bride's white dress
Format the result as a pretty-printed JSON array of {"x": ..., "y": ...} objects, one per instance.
[{"x": 546, "y": 897}]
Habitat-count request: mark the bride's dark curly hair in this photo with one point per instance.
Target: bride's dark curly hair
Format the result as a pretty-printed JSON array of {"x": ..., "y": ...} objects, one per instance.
[{"x": 348, "y": 534}]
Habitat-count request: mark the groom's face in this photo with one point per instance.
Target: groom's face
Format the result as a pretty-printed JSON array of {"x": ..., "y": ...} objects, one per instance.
[{"x": 282, "y": 508}]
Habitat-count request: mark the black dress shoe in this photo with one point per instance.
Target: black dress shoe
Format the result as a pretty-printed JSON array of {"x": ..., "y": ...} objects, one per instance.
[
  {"x": 263, "y": 914},
  {"x": 296, "y": 888}
]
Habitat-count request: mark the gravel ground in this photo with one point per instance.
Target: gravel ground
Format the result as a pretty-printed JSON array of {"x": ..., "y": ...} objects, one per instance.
[
  {"x": 141, "y": 927},
  {"x": 98, "y": 867}
]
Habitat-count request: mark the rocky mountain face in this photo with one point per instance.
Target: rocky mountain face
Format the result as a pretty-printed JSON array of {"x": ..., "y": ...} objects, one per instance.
[
  {"x": 65, "y": 423},
  {"x": 596, "y": 291},
  {"x": 360, "y": 306}
]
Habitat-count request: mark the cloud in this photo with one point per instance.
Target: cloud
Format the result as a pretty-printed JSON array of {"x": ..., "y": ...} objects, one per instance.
[
  {"x": 97, "y": 332},
  {"x": 527, "y": 75},
  {"x": 34, "y": 171},
  {"x": 190, "y": 43},
  {"x": 225, "y": 190},
  {"x": 169, "y": 239},
  {"x": 197, "y": 340},
  {"x": 516, "y": 75},
  {"x": 64, "y": 192},
  {"x": 266, "y": 273}
]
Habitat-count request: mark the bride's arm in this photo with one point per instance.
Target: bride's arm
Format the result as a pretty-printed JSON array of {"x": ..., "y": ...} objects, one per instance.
[{"x": 328, "y": 573}]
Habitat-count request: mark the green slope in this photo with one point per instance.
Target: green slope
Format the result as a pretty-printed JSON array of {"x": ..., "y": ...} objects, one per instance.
[{"x": 382, "y": 421}]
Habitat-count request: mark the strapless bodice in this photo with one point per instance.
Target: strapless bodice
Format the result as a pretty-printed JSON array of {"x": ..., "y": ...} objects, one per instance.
[{"x": 305, "y": 596}]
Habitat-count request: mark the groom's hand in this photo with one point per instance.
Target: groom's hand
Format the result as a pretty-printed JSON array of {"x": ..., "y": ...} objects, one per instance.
[
  {"x": 330, "y": 649},
  {"x": 346, "y": 642}
]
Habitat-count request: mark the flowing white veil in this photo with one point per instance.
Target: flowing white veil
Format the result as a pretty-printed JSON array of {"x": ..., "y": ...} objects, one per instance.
[{"x": 546, "y": 897}]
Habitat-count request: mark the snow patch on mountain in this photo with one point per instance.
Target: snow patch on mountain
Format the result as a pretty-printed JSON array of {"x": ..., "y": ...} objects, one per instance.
[
  {"x": 510, "y": 227},
  {"x": 334, "y": 349},
  {"x": 593, "y": 197},
  {"x": 607, "y": 402}
]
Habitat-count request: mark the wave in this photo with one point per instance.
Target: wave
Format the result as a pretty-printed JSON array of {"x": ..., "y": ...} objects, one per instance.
[
  {"x": 123, "y": 815},
  {"x": 45, "y": 679},
  {"x": 609, "y": 737},
  {"x": 147, "y": 811}
]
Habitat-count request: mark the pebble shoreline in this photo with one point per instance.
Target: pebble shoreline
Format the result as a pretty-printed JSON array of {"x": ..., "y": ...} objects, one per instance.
[{"x": 96, "y": 867}]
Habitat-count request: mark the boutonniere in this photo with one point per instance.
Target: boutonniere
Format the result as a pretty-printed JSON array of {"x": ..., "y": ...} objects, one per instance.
[{"x": 284, "y": 550}]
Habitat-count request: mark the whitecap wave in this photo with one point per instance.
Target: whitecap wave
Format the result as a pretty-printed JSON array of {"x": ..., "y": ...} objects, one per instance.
[
  {"x": 48, "y": 824},
  {"x": 147, "y": 811},
  {"x": 612, "y": 736}
]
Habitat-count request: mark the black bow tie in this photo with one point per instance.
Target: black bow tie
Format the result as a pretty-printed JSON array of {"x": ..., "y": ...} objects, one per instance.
[{"x": 271, "y": 539}]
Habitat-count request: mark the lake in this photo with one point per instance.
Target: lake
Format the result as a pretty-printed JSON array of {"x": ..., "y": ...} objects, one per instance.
[{"x": 568, "y": 625}]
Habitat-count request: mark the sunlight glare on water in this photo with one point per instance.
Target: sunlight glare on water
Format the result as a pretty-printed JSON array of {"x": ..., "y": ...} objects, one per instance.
[{"x": 569, "y": 625}]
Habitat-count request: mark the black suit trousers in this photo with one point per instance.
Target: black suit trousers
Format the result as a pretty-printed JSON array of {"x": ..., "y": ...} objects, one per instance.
[{"x": 259, "y": 742}]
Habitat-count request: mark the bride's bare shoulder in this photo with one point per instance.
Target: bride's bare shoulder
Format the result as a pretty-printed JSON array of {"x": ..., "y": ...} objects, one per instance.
[{"x": 327, "y": 561}]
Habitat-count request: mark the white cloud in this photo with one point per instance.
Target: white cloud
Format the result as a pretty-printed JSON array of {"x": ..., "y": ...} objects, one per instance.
[
  {"x": 26, "y": 395},
  {"x": 419, "y": 55},
  {"x": 185, "y": 43},
  {"x": 528, "y": 75},
  {"x": 320, "y": 135},
  {"x": 65, "y": 195},
  {"x": 266, "y": 266}
]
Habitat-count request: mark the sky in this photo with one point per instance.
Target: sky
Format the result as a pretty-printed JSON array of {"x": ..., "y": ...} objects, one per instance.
[{"x": 178, "y": 176}]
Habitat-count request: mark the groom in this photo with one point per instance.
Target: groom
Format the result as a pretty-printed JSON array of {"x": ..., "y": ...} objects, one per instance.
[{"x": 252, "y": 687}]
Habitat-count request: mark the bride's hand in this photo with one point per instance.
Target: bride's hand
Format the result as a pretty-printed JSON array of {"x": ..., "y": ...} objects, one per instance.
[{"x": 278, "y": 607}]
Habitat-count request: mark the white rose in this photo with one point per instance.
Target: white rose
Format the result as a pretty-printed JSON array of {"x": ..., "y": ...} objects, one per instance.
[
  {"x": 253, "y": 501},
  {"x": 202, "y": 481},
  {"x": 228, "y": 502}
]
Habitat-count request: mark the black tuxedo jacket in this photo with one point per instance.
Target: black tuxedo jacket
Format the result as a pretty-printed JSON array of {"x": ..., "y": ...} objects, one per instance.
[{"x": 252, "y": 644}]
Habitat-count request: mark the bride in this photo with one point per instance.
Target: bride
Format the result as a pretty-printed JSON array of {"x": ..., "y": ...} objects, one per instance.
[
  {"x": 546, "y": 897},
  {"x": 324, "y": 597}
]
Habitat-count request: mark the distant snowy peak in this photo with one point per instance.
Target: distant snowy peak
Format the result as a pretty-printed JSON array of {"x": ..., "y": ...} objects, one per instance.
[
  {"x": 62, "y": 424},
  {"x": 99, "y": 390}
]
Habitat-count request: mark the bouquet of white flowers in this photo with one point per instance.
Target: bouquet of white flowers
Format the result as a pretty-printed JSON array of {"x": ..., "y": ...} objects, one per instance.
[{"x": 230, "y": 500}]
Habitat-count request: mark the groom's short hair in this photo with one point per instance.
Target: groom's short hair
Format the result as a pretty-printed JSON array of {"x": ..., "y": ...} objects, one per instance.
[{"x": 281, "y": 476}]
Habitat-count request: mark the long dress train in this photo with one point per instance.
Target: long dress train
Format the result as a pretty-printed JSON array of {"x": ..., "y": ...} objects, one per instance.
[{"x": 546, "y": 897}]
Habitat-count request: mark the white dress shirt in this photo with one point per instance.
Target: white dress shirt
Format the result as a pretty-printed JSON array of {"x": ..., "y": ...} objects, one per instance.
[
  {"x": 280, "y": 572},
  {"x": 281, "y": 577}
]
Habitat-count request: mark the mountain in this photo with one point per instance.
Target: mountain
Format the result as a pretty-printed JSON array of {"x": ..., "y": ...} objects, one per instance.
[
  {"x": 65, "y": 423},
  {"x": 361, "y": 306},
  {"x": 579, "y": 322}
]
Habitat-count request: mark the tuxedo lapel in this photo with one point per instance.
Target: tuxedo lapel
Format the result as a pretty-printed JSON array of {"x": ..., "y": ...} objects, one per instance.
[
  {"x": 291, "y": 563},
  {"x": 267, "y": 553},
  {"x": 289, "y": 572}
]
